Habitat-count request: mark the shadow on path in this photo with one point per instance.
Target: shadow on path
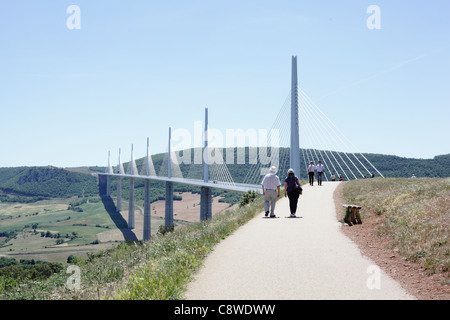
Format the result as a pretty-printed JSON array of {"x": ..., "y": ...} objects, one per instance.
[{"x": 118, "y": 220}]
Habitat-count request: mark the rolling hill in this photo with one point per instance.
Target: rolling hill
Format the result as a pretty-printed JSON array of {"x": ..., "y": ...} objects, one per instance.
[{"x": 46, "y": 182}]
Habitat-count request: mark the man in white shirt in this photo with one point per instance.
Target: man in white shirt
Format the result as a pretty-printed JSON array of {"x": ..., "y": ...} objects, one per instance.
[
  {"x": 320, "y": 172},
  {"x": 271, "y": 190},
  {"x": 311, "y": 171}
]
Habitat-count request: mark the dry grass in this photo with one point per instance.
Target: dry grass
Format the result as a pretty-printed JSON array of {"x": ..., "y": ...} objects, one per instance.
[{"x": 416, "y": 216}]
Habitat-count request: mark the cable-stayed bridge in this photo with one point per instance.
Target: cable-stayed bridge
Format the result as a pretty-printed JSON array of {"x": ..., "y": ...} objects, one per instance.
[{"x": 299, "y": 122}]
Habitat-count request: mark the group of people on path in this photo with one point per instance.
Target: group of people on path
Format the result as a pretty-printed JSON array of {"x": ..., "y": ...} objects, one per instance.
[
  {"x": 312, "y": 169},
  {"x": 271, "y": 186},
  {"x": 271, "y": 190},
  {"x": 320, "y": 171}
]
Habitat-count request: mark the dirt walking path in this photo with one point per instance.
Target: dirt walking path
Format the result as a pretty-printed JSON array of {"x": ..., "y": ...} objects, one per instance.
[{"x": 284, "y": 258}]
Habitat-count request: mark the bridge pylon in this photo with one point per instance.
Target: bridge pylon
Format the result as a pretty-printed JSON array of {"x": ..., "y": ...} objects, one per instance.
[
  {"x": 133, "y": 172},
  {"x": 295, "y": 138},
  {"x": 205, "y": 192},
  {"x": 119, "y": 184},
  {"x": 108, "y": 179}
]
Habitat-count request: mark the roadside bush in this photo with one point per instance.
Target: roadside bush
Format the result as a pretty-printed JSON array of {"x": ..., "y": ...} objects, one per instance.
[
  {"x": 248, "y": 197},
  {"x": 34, "y": 272},
  {"x": 163, "y": 229}
]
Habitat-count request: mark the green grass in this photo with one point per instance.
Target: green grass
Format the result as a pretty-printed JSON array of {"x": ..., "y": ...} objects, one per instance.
[{"x": 416, "y": 216}]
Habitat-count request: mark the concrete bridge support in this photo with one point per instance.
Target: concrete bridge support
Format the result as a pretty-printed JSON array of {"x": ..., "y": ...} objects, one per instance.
[
  {"x": 104, "y": 181},
  {"x": 132, "y": 171},
  {"x": 169, "y": 204},
  {"x": 147, "y": 212},
  {"x": 149, "y": 169},
  {"x": 205, "y": 204},
  {"x": 169, "y": 186},
  {"x": 119, "y": 195},
  {"x": 108, "y": 186},
  {"x": 119, "y": 184},
  {"x": 102, "y": 185},
  {"x": 131, "y": 223}
]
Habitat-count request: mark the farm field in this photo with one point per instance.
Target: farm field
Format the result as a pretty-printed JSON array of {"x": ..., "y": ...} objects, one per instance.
[{"x": 49, "y": 230}]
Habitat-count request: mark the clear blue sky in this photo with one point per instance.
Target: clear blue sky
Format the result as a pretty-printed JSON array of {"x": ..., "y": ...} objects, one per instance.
[{"x": 136, "y": 67}]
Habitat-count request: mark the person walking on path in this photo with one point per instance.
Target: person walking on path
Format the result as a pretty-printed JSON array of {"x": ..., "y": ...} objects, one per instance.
[
  {"x": 320, "y": 173},
  {"x": 271, "y": 191},
  {"x": 292, "y": 190},
  {"x": 311, "y": 171}
]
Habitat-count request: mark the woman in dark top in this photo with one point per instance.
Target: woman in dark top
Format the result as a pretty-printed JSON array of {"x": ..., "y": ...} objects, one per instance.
[{"x": 291, "y": 190}]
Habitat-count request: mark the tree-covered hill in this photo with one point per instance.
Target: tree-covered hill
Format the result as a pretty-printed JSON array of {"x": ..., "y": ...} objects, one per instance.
[
  {"x": 48, "y": 182},
  {"x": 397, "y": 167}
]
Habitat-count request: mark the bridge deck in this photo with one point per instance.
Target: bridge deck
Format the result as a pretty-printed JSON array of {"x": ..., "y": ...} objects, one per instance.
[{"x": 236, "y": 187}]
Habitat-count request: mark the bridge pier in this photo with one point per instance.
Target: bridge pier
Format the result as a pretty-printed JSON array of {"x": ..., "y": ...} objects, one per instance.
[
  {"x": 205, "y": 204},
  {"x": 104, "y": 182},
  {"x": 119, "y": 184},
  {"x": 108, "y": 186},
  {"x": 132, "y": 171},
  {"x": 147, "y": 211},
  {"x": 147, "y": 204},
  {"x": 119, "y": 195},
  {"x": 169, "y": 185},
  {"x": 102, "y": 185},
  {"x": 169, "y": 204},
  {"x": 131, "y": 224}
]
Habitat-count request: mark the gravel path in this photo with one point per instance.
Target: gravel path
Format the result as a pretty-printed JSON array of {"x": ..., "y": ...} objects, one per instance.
[{"x": 283, "y": 258}]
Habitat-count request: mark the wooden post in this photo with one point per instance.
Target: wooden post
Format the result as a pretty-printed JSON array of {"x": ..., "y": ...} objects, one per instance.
[
  {"x": 352, "y": 215},
  {"x": 358, "y": 216},
  {"x": 347, "y": 215}
]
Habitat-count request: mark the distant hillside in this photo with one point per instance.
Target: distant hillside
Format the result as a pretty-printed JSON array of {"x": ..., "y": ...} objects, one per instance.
[
  {"x": 54, "y": 182},
  {"x": 48, "y": 182},
  {"x": 397, "y": 167}
]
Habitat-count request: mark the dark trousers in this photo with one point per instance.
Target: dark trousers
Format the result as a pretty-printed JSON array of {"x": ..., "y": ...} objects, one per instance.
[
  {"x": 311, "y": 178},
  {"x": 293, "y": 199},
  {"x": 319, "y": 178}
]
